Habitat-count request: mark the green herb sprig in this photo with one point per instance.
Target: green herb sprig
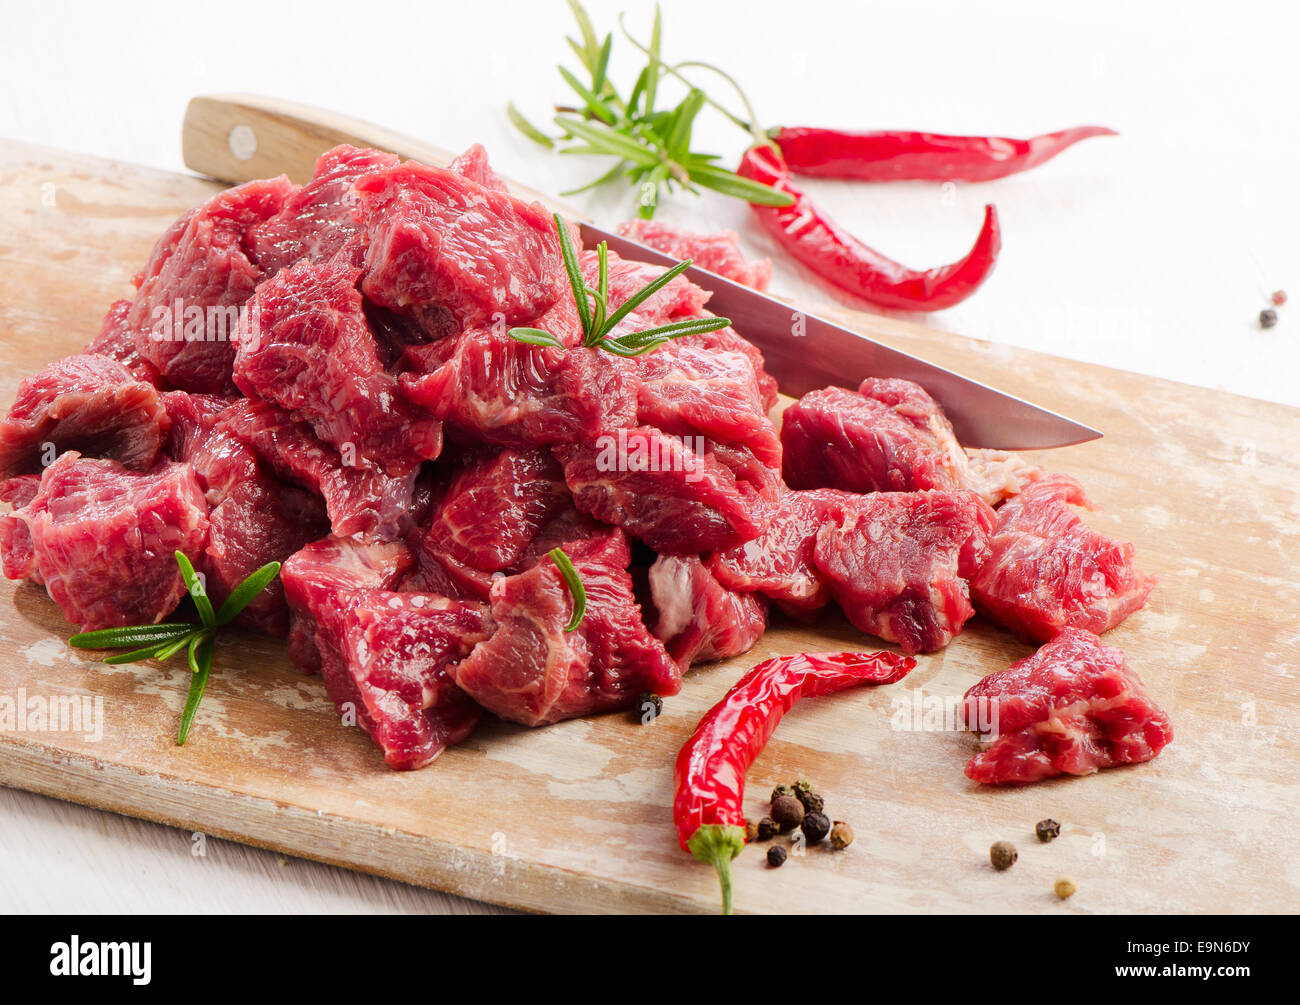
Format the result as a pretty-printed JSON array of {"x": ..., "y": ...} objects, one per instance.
[
  {"x": 576, "y": 590},
  {"x": 163, "y": 641},
  {"x": 651, "y": 146},
  {"x": 598, "y": 322}
]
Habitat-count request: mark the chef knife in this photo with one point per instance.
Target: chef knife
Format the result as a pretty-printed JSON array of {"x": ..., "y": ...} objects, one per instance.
[{"x": 238, "y": 137}]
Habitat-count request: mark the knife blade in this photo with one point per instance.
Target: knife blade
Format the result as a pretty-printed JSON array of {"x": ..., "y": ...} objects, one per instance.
[
  {"x": 804, "y": 352},
  {"x": 238, "y": 137}
]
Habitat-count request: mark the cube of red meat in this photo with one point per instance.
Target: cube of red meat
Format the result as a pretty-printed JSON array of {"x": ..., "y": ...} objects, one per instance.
[
  {"x": 196, "y": 279},
  {"x": 358, "y": 500},
  {"x": 689, "y": 389},
  {"x": 437, "y": 239},
  {"x": 727, "y": 340},
  {"x": 533, "y": 672},
  {"x": 1071, "y": 708},
  {"x": 839, "y": 439},
  {"x": 699, "y": 619},
  {"x": 1048, "y": 570},
  {"x": 679, "y": 300},
  {"x": 116, "y": 341},
  {"x": 103, "y": 538},
  {"x": 90, "y": 404},
  {"x": 473, "y": 164},
  {"x": 383, "y": 654},
  {"x": 779, "y": 562},
  {"x": 718, "y": 253},
  {"x": 660, "y": 490},
  {"x": 253, "y": 518},
  {"x": 320, "y": 218},
  {"x": 308, "y": 349},
  {"x": 17, "y": 559},
  {"x": 493, "y": 507},
  {"x": 898, "y": 563},
  {"x": 493, "y": 389}
]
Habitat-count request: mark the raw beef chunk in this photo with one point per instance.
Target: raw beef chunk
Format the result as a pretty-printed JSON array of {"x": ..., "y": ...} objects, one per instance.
[
  {"x": 997, "y": 475},
  {"x": 891, "y": 437},
  {"x": 103, "y": 539},
  {"x": 17, "y": 560},
  {"x": 186, "y": 310},
  {"x": 308, "y": 349},
  {"x": 779, "y": 562},
  {"x": 726, "y": 340},
  {"x": 718, "y": 253},
  {"x": 699, "y": 618},
  {"x": 496, "y": 390},
  {"x": 691, "y": 390},
  {"x": 90, "y": 404},
  {"x": 116, "y": 341},
  {"x": 318, "y": 220},
  {"x": 492, "y": 509},
  {"x": 253, "y": 519},
  {"x": 383, "y": 655},
  {"x": 437, "y": 239},
  {"x": 1048, "y": 570},
  {"x": 473, "y": 164},
  {"x": 898, "y": 563},
  {"x": 679, "y": 300},
  {"x": 534, "y": 672},
  {"x": 1071, "y": 708},
  {"x": 359, "y": 500},
  {"x": 658, "y": 489}
]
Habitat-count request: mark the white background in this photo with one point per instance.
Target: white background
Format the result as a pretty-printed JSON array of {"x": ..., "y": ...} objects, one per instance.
[{"x": 1152, "y": 251}]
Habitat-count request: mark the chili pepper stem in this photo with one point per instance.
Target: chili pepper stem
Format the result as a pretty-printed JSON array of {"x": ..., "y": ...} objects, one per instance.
[{"x": 717, "y": 845}]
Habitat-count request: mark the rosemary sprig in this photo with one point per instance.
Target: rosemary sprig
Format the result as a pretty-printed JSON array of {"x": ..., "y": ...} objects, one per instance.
[
  {"x": 651, "y": 146},
  {"x": 576, "y": 590},
  {"x": 598, "y": 323},
  {"x": 163, "y": 641}
]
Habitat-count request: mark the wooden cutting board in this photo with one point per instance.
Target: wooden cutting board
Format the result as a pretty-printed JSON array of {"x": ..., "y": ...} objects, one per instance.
[{"x": 575, "y": 817}]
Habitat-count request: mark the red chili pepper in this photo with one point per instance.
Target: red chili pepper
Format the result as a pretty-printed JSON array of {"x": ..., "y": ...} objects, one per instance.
[
  {"x": 710, "y": 771},
  {"x": 909, "y": 156},
  {"x": 839, "y": 257}
]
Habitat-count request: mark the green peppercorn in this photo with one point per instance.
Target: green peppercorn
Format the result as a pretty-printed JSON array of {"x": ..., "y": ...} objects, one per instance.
[
  {"x": 787, "y": 811},
  {"x": 776, "y": 856},
  {"x": 778, "y": 792},
  {"x": 767, "y": 829},
  {"x": 1003, "y": 855},
  {"x": 812, "y": 802},
  {"x": 1047, "y": 830},
  {"x": 802, "y": 787},
  {"x": 815, "y": 827}
]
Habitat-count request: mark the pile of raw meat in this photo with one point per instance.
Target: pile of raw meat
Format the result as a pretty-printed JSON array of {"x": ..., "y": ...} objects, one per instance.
[{"x": 322, "y": 375}]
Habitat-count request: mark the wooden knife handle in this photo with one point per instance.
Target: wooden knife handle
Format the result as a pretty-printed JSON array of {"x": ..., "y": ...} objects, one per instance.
[{"x": 239, "y": 137}]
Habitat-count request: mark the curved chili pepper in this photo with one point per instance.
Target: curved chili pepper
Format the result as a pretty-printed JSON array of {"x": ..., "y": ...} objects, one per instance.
[
  {"x": 910, "y": 156},
  {"x": 710, "y": 771},
  {"x": 839, "y": 257}
]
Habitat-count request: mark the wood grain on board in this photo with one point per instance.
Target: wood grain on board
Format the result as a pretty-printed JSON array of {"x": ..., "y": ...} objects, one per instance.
[{"x": 575, "y": 817}]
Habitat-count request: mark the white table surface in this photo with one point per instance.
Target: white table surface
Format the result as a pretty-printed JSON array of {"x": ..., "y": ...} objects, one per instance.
[{"x": 1153, "y": 251}]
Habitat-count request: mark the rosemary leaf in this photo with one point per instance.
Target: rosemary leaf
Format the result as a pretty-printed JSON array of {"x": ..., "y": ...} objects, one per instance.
[
  {"x": 243, "y": 594},
  {"x": 200, "y": 659},
  {"x": 134, "y": 635},
  {"x": 194, "y": 586},
  {"x": 574, "y": 582}
]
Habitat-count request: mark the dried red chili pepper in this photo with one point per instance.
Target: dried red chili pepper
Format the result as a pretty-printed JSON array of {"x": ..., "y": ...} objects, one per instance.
[
  {"x": 710, "y": 771},
  {"x": 912, "y": 156},
  {"x": 839, "y": 257}
]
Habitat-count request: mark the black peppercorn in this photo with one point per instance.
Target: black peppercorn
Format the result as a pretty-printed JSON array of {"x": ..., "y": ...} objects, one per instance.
[
  {"x": 787, "y": 811},
  {"x": 767, "y": 829},
  {"x": 778, "y": 792},
  {"x": 801, "y": 788},
  {"x": 815, "y": 827},
  {"x": 1003, "y": 855},
  {"x": 648, "y": 707},
  {"x": 1047, "y": 830},
  {"x": 776, "y": 856},
  {"x": 1267, "y": 318}
]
